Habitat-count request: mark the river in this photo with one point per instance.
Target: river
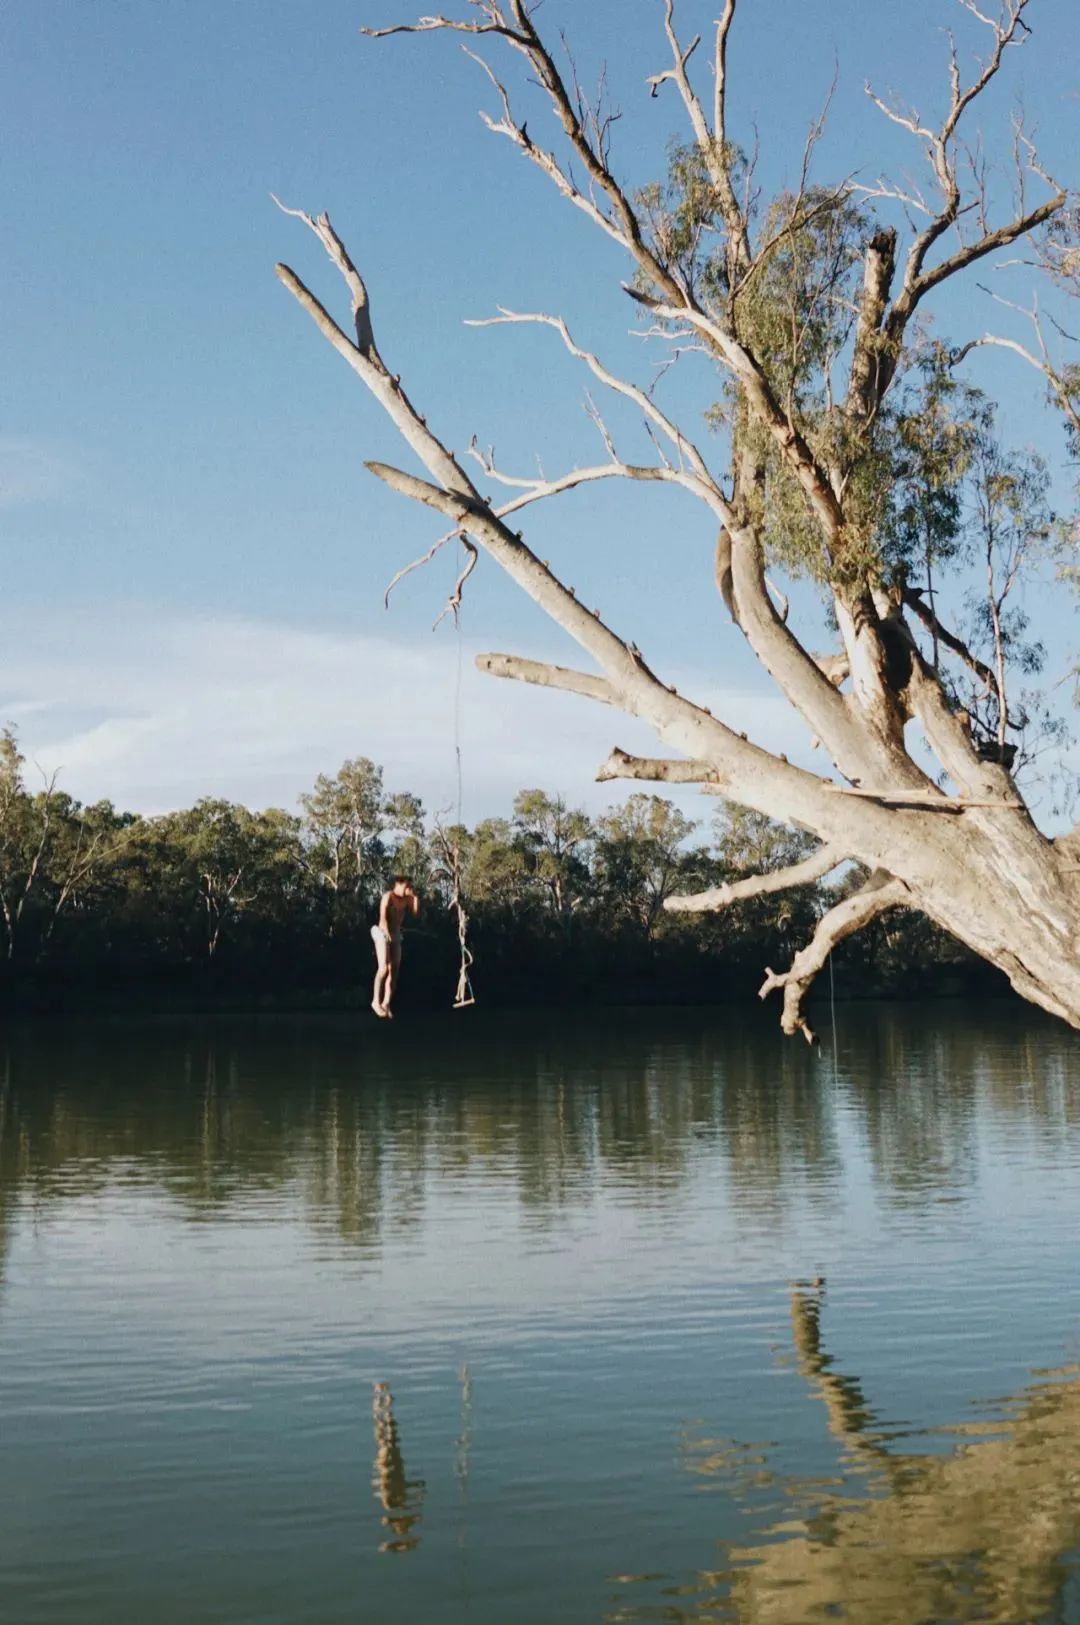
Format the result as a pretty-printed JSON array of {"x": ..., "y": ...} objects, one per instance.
[{"x": 651, "y": 1317}]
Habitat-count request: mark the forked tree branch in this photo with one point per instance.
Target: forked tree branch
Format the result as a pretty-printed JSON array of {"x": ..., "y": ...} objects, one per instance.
[
  {"x": 880, "y": 893},
  {"x": 1009, "y": 30},
  {"x": 690, "y": 457},
  {"x": 915, "y": 601},
  {"x": 538, "y": 490},
  {"x": 1042, "y": 364}
]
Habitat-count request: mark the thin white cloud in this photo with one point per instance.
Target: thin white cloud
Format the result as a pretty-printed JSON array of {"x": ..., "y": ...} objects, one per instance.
[
  {"x": 35, "y": 472},
  {"x": 154, "y": 709}
]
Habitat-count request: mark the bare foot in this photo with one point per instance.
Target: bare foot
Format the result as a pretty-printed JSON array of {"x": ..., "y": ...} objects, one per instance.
[
  {"x": 387, "y": 1012},
  {"x": 378, "y": 1009}
]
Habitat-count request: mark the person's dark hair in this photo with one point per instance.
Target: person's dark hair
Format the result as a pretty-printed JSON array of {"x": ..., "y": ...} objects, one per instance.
[{"x": 401, "y": 880}]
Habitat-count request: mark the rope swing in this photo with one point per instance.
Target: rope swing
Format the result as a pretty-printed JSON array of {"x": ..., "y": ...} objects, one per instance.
[
  {"x": 451, "y": 850},
  {"x": 464, "y": 996}
]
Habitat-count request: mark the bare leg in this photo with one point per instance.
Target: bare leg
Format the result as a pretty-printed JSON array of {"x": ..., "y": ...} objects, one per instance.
[
  {"x": 382, "y": 975},
  {"x": 392, "y": 979}
]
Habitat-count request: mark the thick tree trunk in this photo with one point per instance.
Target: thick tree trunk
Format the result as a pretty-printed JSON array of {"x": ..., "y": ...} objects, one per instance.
[{"x": 1010, "y": 898}]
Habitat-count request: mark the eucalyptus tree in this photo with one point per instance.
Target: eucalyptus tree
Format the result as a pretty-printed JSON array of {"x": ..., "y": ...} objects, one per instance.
[
  {"x": 555, "y": 840},
  {"x": 640, "y": 856},
  {"x": 812, "y": 305},
  {"x": 344, "y": 817},
  {"x": 26, "y": 823}
]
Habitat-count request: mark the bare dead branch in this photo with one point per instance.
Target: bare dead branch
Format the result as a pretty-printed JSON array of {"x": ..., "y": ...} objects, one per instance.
[
  {"x": 1041, "y": 363},
  {"x": 335, "y": 248},
  {"x": 543, "y": 675},
  {"x": 453, "y": 603},
  {"x": 705, "y": 485},
  {"x": 715, "y": 162},
  {"x": 621, "y": 765},
  {"x": 880, "y": 893},
  {"x": 811, "y": 869},
  {"x": 883, "y": 188},
  {"x": 429, "y": 25},
  {"x": 418, "y": 563}
]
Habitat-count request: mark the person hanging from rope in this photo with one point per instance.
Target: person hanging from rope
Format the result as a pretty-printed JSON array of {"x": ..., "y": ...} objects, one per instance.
[{"x": 394, "y": 905}]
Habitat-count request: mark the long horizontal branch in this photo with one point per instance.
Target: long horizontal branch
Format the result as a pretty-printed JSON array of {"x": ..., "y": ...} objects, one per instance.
[
  {"x": 656, "y": 769},
  {"x": 543, "y": 675},
  {"x": 815, "y": 867},
  {"x": 880, "y": 893},
  {"x": 540, "y": 490}
]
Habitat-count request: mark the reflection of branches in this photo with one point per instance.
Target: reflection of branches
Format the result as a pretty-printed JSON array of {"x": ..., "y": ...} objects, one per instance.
[
  {"x": 974, "y": 1535},
  {"x": 399, "y": 1496},
  {"x": 463, "y": 1442},
  {"x": 845, "y": 1405}
]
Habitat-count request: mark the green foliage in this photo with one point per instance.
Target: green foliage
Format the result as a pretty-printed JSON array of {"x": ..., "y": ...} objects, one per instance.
[
  {"x": 904, "y": 477},
  {"x": 937, "y": 430},
  {"x": 684, "y": 223},
  {"x": 641, "y": 858},
  {"x": 794, "y": 309},
  {"x": 554, "y": 838}
]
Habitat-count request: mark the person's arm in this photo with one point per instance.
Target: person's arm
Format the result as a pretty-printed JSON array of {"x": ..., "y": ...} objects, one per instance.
[
  {"x": 384, "y": 912},
  {"x": 414, "y": 902}
]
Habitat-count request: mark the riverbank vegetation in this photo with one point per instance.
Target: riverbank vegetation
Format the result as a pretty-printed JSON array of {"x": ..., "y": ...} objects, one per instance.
[{"x": 217, "y": 905}]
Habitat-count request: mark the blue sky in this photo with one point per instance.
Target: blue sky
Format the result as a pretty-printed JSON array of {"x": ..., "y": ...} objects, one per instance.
[{"x": 193, "y": 554}]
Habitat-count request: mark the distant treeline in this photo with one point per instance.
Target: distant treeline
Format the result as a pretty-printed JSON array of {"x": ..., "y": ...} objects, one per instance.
[{"x": 216, "y": 905}]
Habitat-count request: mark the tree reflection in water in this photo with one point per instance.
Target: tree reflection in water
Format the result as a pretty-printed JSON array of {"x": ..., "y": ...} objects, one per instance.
[
  {"x": 399, "y": 1496},
  {"x": 978, "y": 1534}
]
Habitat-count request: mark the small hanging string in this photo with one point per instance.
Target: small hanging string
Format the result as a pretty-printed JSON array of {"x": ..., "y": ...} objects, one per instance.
[
  {"x": 832, "y": 1011},
  {"x": 457, "y": 716}
]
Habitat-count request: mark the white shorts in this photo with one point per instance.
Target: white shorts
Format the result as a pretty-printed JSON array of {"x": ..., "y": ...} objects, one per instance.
[{"x": 379, "y": 935}]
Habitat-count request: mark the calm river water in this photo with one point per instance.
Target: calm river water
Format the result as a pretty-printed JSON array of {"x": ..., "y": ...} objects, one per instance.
[{"x": 656, "y": 1318}]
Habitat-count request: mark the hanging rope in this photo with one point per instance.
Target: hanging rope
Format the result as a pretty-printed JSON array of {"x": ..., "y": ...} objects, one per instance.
[
  {"x": 451, "y": 851},
  {"x": 464, "y": 995}
]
